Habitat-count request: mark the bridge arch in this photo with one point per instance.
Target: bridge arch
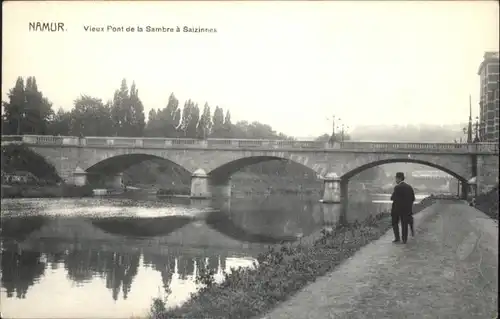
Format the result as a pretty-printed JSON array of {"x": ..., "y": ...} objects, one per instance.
[
  {"x": 348, "y": 175},
  {"x": 119, "y": 163},
  {"x": 225, "y": 170},
  {"x": 108, "y": 171}
]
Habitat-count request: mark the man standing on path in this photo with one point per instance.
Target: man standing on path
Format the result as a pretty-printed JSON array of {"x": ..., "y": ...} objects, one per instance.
[{"x": 402, "y": 206}]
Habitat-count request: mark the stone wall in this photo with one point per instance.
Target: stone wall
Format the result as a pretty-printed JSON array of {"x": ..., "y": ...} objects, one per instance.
[{"x": 487, "y": 172}]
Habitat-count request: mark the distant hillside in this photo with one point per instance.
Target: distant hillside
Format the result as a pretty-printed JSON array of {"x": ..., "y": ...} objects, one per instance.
[{"x": 409, "y": 133}]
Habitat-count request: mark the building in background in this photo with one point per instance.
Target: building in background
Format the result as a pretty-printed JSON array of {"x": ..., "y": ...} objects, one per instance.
[{"x": 489, "y": 97}]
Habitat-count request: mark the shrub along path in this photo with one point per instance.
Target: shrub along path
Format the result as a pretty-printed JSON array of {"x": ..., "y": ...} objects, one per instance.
[{"x": 449, "y": 270}]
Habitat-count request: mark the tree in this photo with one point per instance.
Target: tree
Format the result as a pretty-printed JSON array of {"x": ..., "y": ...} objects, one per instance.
[
  {"x": 137, "y": 120},
  {"x": 61, "y": 123},
  {"x": 27, "y": 110},
  {"x": 218, "y": 122},
  {"x": 172, "y": 117},
  {"x": 186, "y": 114},
  {"x": 38, "y": 109},
  {"x": 194, "y": 118},
  {"x": 152, "y": 124},
  {"x": 326, "y": 138},
  {"x": 205, "y": 124},
  {"x": 121, "y": 110},
  {"x": 227, "y": 124},
  {"x": 15, "y": 108},
  {"x": 323, "y": 138},
  {"x": 90, "y": 117}
]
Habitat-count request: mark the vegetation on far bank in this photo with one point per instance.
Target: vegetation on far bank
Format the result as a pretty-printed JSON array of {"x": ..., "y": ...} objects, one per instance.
[
  {"x": 45, "y": 191},
  {"x": 281, "y": 272},
  {"x": 17, "y": 157},
  {"x": 46, "y": 182}
]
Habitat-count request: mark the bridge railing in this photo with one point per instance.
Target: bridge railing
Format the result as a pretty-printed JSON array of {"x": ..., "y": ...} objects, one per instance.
[
  {"x": 158, "y": 142},
  {"x": 406, "y": 146}
]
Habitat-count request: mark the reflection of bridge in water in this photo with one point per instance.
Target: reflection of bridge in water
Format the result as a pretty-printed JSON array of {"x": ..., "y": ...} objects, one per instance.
[
  {"x": 125, "y": 242},
  {"x": 87, "y": 248}
]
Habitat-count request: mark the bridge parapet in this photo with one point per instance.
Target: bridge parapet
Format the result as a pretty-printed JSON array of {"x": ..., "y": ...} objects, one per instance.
[{"x": 165, "y": 143}]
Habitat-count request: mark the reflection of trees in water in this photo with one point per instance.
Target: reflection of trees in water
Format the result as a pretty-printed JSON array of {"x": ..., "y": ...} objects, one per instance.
[
  {"x": 78, "y": 265},
  {"x": 117, "y": 269},
  {"x": 20, "y": 271},
  {"x": 55, "y": 259},
  {"x": 165, "y": 264},
  {"x": 120, "y": 272}
]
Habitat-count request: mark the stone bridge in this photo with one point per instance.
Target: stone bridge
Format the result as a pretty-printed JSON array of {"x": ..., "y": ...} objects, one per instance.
[{"x": 211, "y": 162}]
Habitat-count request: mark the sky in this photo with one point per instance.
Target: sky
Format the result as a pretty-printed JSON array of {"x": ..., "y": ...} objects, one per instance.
[{"x": 287, "y": 64}]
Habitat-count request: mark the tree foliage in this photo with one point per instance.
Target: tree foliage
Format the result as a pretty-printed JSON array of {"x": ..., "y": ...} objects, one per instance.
[
  {"x": 27, "y": 111},
  {"x": 90, "y": 117}
]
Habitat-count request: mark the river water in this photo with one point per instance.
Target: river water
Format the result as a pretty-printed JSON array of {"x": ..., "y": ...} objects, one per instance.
[{"x": 108, "y": 257}]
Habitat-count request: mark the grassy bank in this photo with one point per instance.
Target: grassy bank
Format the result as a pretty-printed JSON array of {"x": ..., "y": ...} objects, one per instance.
[
  {"x": 280, "y": 273},
  {"x": 45, "y": 191}
]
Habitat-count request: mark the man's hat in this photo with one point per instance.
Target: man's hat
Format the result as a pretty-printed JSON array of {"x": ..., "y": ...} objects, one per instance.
[{"x": 400, "y": 175}]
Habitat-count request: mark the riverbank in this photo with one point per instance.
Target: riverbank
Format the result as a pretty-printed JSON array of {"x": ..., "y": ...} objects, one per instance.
[
  {"x": 280, "y": 273},
  {"x": 45, "y": 191}
]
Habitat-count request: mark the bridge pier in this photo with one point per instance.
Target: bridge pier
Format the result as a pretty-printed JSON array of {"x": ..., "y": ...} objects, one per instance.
[
  {"x": 487, "y": 173},
  {"x": 332, "y": 193},
  {"x": 205, "y": 186},
  {"x": 79, "y": 177},
  {"x": 200, "y": 185}
]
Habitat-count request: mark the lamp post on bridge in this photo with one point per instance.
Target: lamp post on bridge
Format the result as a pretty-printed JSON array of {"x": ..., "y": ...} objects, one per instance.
[
  {"x": 342, "y": 128},
  {"x": 333, "y": 138},
  {"x": 477, "y": 133}
]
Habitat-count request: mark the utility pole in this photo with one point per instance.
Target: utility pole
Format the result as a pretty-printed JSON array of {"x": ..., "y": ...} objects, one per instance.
[{"x": 332, "y": 138}]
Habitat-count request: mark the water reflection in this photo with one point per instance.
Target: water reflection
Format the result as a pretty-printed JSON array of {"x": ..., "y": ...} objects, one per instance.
[
  {"x": 21, "y": 228},
  {"x": 116, "y": 254},
  {"x": 270, "y": 219},
  {"x": 20, "y": 270},
  {"x": 114, "y": 271},
  {"x": 141, "y": 227}
]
